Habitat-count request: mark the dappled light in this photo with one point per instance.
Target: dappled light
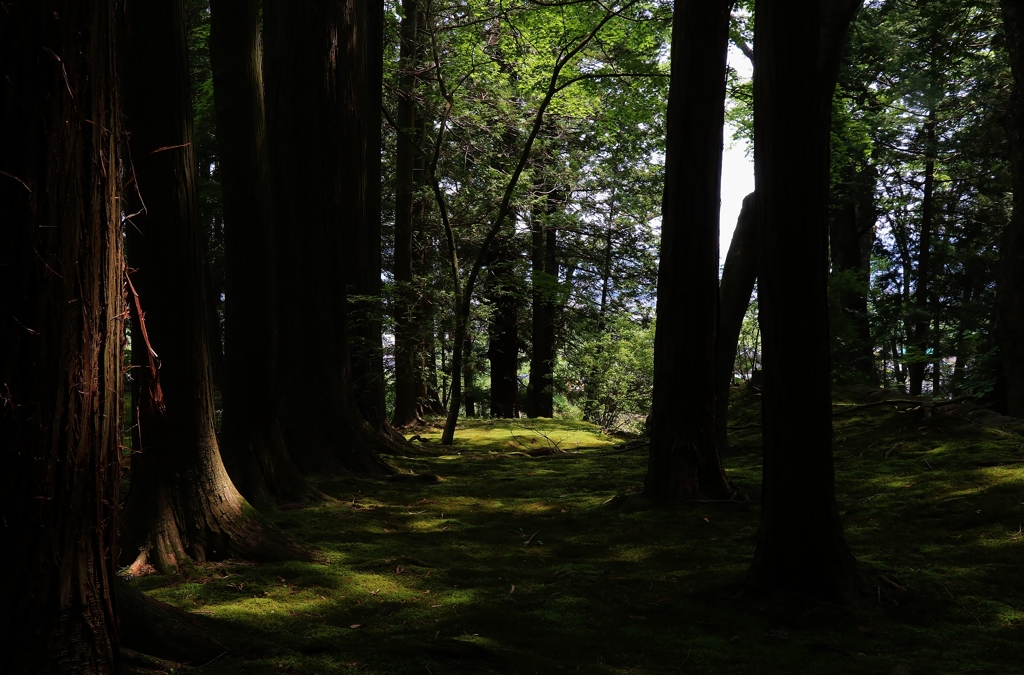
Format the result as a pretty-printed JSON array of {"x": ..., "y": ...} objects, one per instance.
[{"x": 519, "y": 563}]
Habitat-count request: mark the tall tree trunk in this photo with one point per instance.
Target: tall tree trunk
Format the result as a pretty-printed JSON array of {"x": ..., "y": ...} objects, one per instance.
[
  {"x": 182, "y": 505},
  {"x": 502, "y": 333},
  {"x": 363, "y": 262},
  {"x": 428, "y": 397},
  {"x": 1010, "y": 321},
  {"x": 62, "y": 330},
  {"x": 920, "y": 319},
  {"x": 593, "y": 387},
  {"x": 254, "y": 449},
  {"x": 316, "y": 130},
  {"x": 800, "y": 544},
  {"x": 408, "y": 166},
  {"x": 738, "y": 277},
  {"x": 544, "y": 291},
  {"x": 684, "y": 460}
]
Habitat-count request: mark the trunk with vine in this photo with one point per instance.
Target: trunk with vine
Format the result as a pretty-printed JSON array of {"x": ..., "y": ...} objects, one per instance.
[{"x": 182, "y": 505}]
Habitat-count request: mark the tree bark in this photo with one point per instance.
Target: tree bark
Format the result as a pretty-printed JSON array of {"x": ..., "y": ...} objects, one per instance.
[
  {"x": 363, "y": 262},
  {"x": 920, "y": 318},
  {"x": 254, "y": 449},
  {"x": 684, "y": 460},
  {"x": 182, "y": 504},
  {"x": 800, "y": 544},
  {"x": 62, "y": 331},
  {"x": 544, "y": 286},
  {"x": 502, "y": 333},
  {"x": 1010, "y": 293},
  {"x": 738, "y": 277},
  {"x": 315, "y": 106},
  {"x": 408, "y": 166}
]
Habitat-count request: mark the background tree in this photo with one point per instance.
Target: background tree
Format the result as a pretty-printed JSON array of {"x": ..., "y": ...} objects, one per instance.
[
  {"x": 61, "y": 324},
  {"x": 919, "y": 155},
  {"x": 800, "y": 543}
]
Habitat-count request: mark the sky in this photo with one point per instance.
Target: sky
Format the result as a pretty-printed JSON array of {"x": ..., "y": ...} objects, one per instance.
[{"x": 737, "y": 169}]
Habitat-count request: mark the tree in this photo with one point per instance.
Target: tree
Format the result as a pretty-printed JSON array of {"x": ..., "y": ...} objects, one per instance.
[
  {"x": 409, "y": 168},
  {"x": 800, "y": 543},
  {"x": 503, "y": 295},
  {"x": 253, "y": 444},
  {"x": 61, "y": 324},
  {"x": 363, "y": 262},
  {"x": 919, "y": 153},
  {"x": 316, "y": 122},
  {"x": 738, "y": 276},
  {"x": 684, "y": 460},
  {"x": 1011, "y": 276},
  {"x": 544, "y": 292},
  {"x": 578, "y": 30},
  {"x": 182, "y": 505}
]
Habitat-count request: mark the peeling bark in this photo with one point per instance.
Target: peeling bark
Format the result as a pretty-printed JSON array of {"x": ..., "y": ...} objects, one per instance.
[
  {"x": 62, "y": 331},
  {"x": 181, "y": 506}
]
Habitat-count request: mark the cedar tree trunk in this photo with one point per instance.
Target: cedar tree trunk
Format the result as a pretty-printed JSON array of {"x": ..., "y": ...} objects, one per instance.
[
  {"x": 919, "y": 319},
  {"x": 1010, "y": 335},
  {"x": 502, "y": 334},
  {"x": 182, "y": 505},
  {"x": 315, "y": 92},
  {"x": 800, "y": 545},
  {"x": 363, "y": 263},
  {"x": 62, "y": 330},
  {"x": 253, "y": 447},
  {"x": 684, "y": 460},
  {"x": 544, "y": 286},
  {"x": 408, "y": 166}
]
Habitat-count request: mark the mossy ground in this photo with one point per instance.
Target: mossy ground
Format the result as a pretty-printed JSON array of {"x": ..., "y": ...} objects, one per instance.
[{"x": 520, "y": 564}]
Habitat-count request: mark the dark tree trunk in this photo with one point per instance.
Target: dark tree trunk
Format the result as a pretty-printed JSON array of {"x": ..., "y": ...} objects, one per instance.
[
  {"x": 920, "y": 317},
  {"x": 62, "y": 331},
  {"x": 316, "y": 130},
  {"x": 684, "y": 460},
  {"x": 182, "y": 504},
  {"x": 851, "y": 233},
  {"x": 363, "y": 262},
  {"x": 253, "y": 447},
  {"x": 468, "y": 377},
  {"x": 738, "y": 277},
  {"x": 1010, "y": 321},
  {"x": 502, "y": 333},
  {"x": 544, "y": 287},
  {"x": 408, "y": 167},
  {"x": 800, "y": 544}
]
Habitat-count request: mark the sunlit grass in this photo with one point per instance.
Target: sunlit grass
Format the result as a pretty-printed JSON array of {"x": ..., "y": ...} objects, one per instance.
[{"x": 519, "y": 563}]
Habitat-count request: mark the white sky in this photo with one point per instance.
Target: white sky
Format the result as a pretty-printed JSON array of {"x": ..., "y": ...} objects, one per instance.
[{"x": 737, "y": 169}]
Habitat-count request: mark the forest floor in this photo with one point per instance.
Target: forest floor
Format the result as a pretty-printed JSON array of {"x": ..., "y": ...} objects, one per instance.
[{"x": 517, "y": 563}]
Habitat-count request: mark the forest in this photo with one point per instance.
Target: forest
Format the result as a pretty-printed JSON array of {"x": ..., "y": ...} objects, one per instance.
[{"x": 339, "y": 337}]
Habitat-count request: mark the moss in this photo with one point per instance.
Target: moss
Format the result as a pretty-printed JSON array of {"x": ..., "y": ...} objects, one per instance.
[{"x": 520, "y": 563}]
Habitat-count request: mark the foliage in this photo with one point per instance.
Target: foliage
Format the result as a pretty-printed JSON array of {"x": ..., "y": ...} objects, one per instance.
[
  {"x": 913, "y": 67},
  {"x": 611, "y": 375}
]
